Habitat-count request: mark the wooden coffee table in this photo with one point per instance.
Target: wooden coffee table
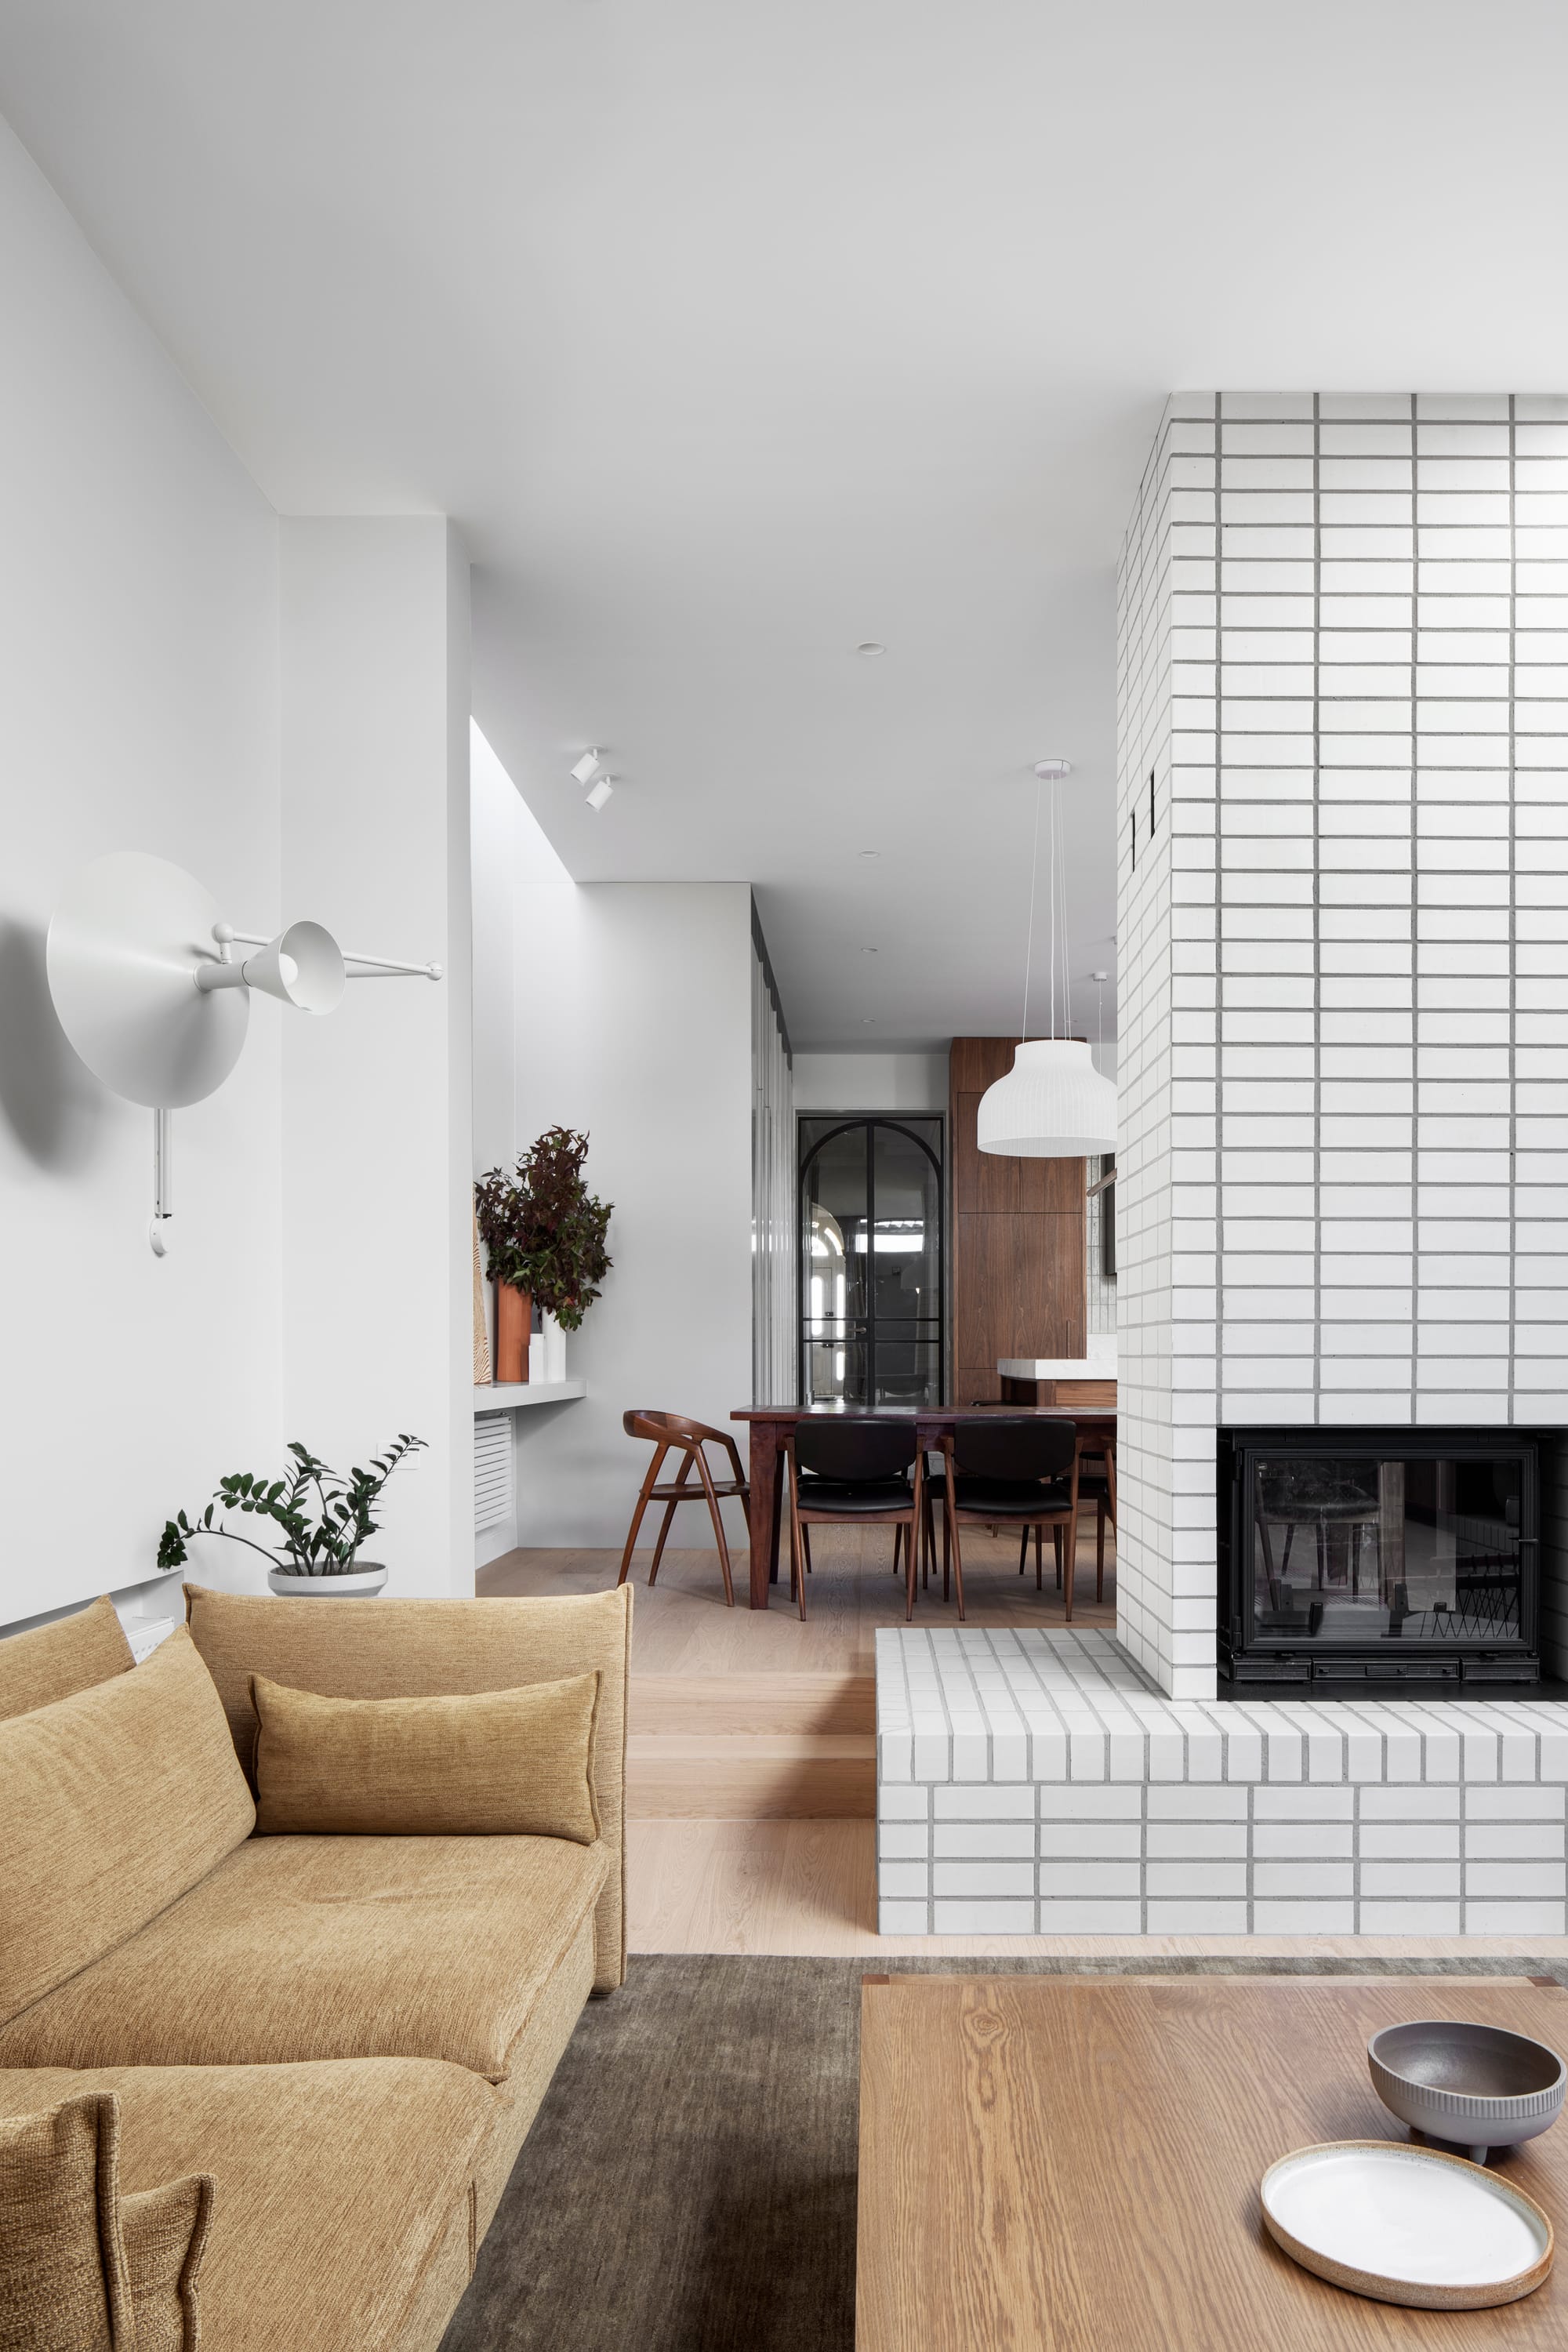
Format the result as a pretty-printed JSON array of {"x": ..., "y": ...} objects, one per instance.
[{"x": 1071, "y": 2164}]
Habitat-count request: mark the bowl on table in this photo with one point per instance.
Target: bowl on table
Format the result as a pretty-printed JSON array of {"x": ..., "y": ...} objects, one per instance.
[{"x": 1475, "y": 2088}]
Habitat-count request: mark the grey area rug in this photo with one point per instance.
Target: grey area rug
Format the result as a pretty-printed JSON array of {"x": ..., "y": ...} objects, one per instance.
[{"x": 689, "y": 2184}]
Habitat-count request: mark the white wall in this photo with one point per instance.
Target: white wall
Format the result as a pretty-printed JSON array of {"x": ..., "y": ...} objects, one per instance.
[
  {"x": 632, "y": 1019},
  {"x": 912, "y": 1082},
  {"x": 376, "y": 1112},
  {"x": 138, "y": 586}
]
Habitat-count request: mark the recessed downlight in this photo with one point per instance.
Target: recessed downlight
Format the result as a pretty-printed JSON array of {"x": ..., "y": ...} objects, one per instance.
[
  {"x": 867, "y": 951},
  {"x": 867, "y": 855},
  {"x": 869, "y": 1022},
  {"x": 870, "y": 649}
]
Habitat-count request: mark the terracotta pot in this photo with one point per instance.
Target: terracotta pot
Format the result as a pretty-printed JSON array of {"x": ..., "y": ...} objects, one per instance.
[{"x": 514, "y": 1313}]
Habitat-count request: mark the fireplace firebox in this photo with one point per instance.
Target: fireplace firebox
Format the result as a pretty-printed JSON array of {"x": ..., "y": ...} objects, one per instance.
[{"x": 1386, "y": 1555}]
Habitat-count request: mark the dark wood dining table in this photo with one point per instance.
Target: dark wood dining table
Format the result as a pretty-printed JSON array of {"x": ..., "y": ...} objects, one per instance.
[{"x": 770, "y": 1425}]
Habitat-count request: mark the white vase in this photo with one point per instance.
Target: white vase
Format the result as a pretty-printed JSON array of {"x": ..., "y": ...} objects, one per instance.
[
  {"x": 359, "y": 1584},
  {"x": 554, "y": 1351}
]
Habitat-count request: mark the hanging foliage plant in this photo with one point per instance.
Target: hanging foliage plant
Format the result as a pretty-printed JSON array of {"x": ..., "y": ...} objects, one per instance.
[{"x": 543, "y": 1230}]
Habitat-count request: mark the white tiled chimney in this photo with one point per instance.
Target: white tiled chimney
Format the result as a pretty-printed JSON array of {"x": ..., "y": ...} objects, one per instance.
[{"x": 1343, "y": 1169}]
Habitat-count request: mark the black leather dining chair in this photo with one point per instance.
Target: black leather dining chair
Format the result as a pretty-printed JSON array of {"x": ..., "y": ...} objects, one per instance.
[
  {"x": 1014, "y": 1473},
  {"x": 853, "y": 1473}
]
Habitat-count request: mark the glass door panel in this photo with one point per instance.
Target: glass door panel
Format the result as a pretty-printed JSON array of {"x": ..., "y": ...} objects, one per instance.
[{"x": 871, "y": 1329}]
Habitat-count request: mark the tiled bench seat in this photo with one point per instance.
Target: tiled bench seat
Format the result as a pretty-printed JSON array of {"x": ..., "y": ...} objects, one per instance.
[{"x": 1035, "y": 1783}]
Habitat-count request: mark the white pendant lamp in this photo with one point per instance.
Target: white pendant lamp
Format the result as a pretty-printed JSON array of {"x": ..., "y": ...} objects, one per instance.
[{"x": 1053, "y": 1104}]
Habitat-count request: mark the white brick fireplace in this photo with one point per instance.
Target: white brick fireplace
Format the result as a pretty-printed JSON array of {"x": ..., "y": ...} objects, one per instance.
[
  {"x": 1343, "y": 1181},
  {"x": 1343, "y": 936}
]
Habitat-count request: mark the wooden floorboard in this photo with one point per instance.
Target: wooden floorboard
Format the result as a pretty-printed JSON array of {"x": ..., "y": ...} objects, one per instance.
[{"x": 682, "y": 1627}]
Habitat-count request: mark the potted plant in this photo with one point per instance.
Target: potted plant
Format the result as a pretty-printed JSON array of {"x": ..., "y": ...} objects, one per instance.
[
  {"x": 322, "y": 1518},
  {"x": 544, "y": 1234}
]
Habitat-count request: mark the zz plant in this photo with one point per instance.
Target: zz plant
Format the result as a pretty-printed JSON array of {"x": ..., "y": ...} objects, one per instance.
[
  {"x": 543, "y": 1230},
  {"x": 322, "y": 1518}
]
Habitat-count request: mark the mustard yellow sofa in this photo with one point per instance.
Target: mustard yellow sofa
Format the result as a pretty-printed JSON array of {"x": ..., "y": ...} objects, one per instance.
[{"x": 352, "y": 2035}]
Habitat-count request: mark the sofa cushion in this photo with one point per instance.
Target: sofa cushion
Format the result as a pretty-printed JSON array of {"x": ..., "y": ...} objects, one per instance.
[
  {"x": 53, "y": 1661},
  {"x": 113, "y": 1802},
  {"x": 83, "y": 2268},
  {"x": 404, "y": 1649},
  {"x": 497, "y": 1763},
  {"x": 63, "y": 2286},
  {"x": 330, "y": 1947},
  {"x": 336, "y": 2185}
]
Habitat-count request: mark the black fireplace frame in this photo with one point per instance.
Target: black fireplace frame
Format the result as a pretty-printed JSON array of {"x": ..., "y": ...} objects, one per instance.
[{"x": 1247, "y": 1656}]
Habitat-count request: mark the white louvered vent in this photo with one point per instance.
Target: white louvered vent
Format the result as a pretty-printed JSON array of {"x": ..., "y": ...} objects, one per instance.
[{"x": 494, "y": 1485}]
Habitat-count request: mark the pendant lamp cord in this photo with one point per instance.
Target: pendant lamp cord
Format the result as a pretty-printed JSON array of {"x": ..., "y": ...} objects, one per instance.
[{"x": 1029, "y": 950}]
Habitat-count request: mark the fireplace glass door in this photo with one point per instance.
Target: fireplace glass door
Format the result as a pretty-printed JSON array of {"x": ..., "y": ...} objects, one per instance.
[{"x": 1384, "y": 1551}]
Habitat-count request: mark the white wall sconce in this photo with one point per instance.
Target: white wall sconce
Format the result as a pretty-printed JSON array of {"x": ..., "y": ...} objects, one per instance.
[{"x": 144, "y": 980}]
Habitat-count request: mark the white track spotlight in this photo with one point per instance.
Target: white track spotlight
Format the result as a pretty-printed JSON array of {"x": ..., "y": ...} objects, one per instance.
[
  {"x": 586, "y": 768},
  {"x": 600, "y": 793}
]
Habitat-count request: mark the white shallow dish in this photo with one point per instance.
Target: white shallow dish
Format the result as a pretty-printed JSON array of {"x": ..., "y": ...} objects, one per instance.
[{"x": 1406, "y": 2225}]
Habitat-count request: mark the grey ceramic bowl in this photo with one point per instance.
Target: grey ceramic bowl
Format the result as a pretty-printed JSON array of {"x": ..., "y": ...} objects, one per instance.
[{"x": 1472, "y": 2086}]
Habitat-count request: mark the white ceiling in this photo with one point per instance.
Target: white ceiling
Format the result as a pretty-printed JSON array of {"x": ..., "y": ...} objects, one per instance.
[{"x": 736, "y": 331}]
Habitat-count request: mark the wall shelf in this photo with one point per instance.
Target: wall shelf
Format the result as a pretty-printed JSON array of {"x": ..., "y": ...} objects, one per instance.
[{"x": 508, "y": 1398}]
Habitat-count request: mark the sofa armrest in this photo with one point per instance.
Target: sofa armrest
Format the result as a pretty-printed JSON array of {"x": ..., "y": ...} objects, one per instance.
[{"x": 423, "y": 1649}]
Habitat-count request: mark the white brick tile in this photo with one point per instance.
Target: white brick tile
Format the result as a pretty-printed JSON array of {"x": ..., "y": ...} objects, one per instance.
[
  {"x": 1382, "y": 1919},
  {"x": 902, "y": 1878},
  {"x": 1401, "y": 1802},
  {"x": 1185, "y": 1803},
  {"x": 1196, "y": 1918},
  {"x": 1302, "y": 1879},
  {"x": 1309, "y": 1804},
  {"x": 1409, "y": 1840},
  {"x": 988, "y": 1802},
  {"x": 1303, "y": 1919},
  {"x": 1074, "y": 1917},
  {"x": 1062, "y": 1878},
  {"x": 1543, "y": 1803},
  {"x": 1493, "y": 1918},
  {"x": 1061, "y": 1840},
  {"x": 1506, "y": 1841},
  {"x": 903, "y": 1918},
  {"x": 1192, "y": 1841},
  {"x": 904, "y": 1841},
  {"x": 1280, "y": 1841},
  {"x": 1064, "y": 1802},
  {"x": 983, "y": 1841},
  {"x": 982, "y": 1919},
  {"x": 1409, "y": 1878},
  {"x": 980, "y": 1880},
  {"x": 1529, "y": 1879}
]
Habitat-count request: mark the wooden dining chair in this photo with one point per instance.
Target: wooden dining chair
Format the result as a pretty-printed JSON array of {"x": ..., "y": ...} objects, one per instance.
[
  {"x": 673, "y": 1433},
  {"x": 1017, "y": 1473},
  {"x": 1098, "y": 1456},
  {"x": 854, "y": 1473}
]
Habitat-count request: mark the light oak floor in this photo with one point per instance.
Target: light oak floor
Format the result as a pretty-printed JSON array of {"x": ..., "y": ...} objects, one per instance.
[
  {"x": 809, "y": 1886},
  {"x": 682, "y": 1627}
]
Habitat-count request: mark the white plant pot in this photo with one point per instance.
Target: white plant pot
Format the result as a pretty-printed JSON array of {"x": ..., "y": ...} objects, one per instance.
[
  {"x": 360, "y": 1583},
  {"x": 554, "y": 1351}
]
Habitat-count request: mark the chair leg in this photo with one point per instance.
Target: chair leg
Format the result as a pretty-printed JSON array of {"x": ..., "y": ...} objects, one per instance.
[
  {"x": 948, "y": 1540},
  {"x": 805, "y": 1543},
  {"x": 1039, "y": 1558},
  {"x": 897, "y": 1548},
  {"x": 647, "y": 1485},
  {"x": 957, "y": 1574},
  {"x": 670, "y": 1511},
  {"x": 910, "y": 1549},
  {"x": 1057, "y": 1547},
  {"x": 1100, "y": 1548},
  {"x": 1072, "y": 1562},
  {"x": 713, "y": 1513},
  {"x": 1023, "y": 1549}
]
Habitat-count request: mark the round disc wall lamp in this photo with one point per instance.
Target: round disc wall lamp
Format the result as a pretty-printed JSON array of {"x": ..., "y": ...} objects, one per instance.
[{"x": 147, "y": 988}]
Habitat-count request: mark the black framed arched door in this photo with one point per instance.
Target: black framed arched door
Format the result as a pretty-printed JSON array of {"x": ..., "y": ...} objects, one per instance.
[{"x": 871, "y": 1315}]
